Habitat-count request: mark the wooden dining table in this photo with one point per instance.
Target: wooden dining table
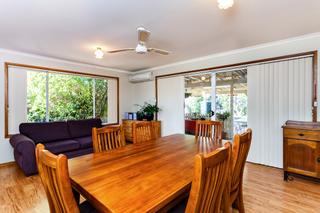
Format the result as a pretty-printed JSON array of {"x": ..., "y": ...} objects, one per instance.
[{"x": 144, "y": 177}]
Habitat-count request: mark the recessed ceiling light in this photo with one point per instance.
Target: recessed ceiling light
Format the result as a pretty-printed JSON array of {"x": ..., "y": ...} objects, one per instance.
[
  {"x": 98, "y": 53},
  {"x": 225, "y": 4},
  {"x": 203, "y": 78}
]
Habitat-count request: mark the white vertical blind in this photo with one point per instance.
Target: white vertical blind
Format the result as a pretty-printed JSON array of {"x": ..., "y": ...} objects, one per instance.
[
  {"x": 277, "y": 92},
  {"x": 112, "y": 101},
  {"x": 213, "y": 95},
  {"x": 17, "y": 98},
  {"x": 171, "y": 103}
]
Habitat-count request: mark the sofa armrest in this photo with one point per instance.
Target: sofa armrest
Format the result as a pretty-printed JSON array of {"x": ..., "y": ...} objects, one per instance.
[
  {"x": 24, "y": 153},
  {"x": 22, "y": 143}
]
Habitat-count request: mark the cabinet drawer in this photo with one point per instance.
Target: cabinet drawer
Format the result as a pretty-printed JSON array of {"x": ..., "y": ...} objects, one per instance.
[{"x": 301, "y": 134}]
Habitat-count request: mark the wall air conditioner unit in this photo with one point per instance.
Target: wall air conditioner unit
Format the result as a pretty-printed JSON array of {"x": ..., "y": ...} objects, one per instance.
[{"x": 141, "y": 77}]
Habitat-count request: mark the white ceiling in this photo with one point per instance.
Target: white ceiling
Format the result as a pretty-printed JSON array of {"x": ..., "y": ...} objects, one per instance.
[{"x": 71, "y": 29}]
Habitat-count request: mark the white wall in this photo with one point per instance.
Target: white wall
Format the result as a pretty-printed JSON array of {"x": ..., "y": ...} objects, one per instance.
[
  {"x": 280, "y": 48},
  {"x": 144, "y": 91},
  {"x": 126, "y": 88},
  {"x": 171, "y": 103}
]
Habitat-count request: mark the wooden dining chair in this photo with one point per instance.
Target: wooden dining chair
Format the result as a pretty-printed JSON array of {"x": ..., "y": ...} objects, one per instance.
[
  {"x": 107, "y": 138},
  {"x": 54, "y": 175},
  {"x": 240, "y": 150},
  {"x": 209, "y": 182},
  {"x": 212, "y": 129},
  {"x": 142, "y": 132}
]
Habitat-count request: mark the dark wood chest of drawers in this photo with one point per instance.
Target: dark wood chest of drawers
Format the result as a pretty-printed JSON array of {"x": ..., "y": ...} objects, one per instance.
[{"x": 301, "y": 149}]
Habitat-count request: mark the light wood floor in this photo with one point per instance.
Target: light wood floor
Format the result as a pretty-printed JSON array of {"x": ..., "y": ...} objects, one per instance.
[{"x": 264, "y": 191}]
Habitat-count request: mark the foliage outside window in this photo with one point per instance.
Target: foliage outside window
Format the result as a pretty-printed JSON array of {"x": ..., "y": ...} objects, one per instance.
[{"x": 58, "y": 97}]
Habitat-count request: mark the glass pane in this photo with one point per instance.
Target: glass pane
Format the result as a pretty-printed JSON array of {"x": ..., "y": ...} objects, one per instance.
[
  {"x": 36, "y": 96},
  {"x": 197, "y": 102},
  {"x": 70, "y": 97},
  {"x": 101, "y": 99},
  {"x": 198, "y": 97},
  {"x": 231, "y": 101}
]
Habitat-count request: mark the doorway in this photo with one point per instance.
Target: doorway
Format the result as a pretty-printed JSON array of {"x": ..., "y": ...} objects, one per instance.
[{"x": 227, "y": 90}]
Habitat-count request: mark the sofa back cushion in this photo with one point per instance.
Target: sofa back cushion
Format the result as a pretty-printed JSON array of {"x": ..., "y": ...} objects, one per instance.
[
  {"x": 45, "y": 132},
  {"x": 82, "y": 128}
]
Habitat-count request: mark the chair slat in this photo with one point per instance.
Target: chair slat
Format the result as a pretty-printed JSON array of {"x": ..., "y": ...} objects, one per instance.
[
  {"x": 210, "y": 129},
  {"x": 142, "y": 132},
  {"x": 107, "y": 138}
]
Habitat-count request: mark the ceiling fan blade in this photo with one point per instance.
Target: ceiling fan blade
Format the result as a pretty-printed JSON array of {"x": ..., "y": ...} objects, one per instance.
[
  {"x": 163, "y": 52},
  {"x": 143, "y": 34},
  {"x": 121, "y": 50}
]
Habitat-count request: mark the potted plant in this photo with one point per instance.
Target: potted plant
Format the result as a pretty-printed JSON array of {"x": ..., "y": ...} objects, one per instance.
[
  {"x": 223, "y": 117},
  {"x": 147, "y": 111}
]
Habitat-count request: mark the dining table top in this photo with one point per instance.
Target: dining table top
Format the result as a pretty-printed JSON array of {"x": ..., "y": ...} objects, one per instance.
[{"x": 138, "y": 177}]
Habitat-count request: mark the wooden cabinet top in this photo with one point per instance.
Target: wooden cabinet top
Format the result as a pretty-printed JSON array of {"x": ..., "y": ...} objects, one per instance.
[{"x": 312, "y": 126}]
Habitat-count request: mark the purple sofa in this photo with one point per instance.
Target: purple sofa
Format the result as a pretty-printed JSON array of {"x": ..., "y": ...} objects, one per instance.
[{"x": 72, "y": 138}]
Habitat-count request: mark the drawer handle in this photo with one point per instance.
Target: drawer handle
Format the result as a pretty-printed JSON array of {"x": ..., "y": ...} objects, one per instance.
[
  {"x": 318, "y": 159},
  {"x": 301, "y": 134}
]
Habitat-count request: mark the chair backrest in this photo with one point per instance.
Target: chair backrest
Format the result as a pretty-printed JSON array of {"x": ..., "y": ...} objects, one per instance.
[
  {"x": 240, "y": 150},
  {"x": 212, "y": 129},
  {"x": 53, "y": 171},
  {"x": 142, "y": 132},
  {"x": 107, "y": 138},
  {"x": 209, "y": 181}
]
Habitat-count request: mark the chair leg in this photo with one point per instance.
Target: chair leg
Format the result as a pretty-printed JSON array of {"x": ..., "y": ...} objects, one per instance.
[
  {"x": 225, "y": 202},
  {"x": 240, "y": 200}
]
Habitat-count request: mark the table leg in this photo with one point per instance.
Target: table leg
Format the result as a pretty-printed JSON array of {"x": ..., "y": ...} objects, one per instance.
[{"x": 76, "y": 195}]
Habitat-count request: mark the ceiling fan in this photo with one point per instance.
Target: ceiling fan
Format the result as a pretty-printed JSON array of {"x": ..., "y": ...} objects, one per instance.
[{"x": 142, "y": 48}]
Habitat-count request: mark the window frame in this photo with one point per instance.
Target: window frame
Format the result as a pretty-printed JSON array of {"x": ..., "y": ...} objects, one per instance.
[{"x": 8, "y": 65}]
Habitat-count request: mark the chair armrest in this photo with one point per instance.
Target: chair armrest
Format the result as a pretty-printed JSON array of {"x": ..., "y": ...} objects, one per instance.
[{"x": 22, "y": 143}]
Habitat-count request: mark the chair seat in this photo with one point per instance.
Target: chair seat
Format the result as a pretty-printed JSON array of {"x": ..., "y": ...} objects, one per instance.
[
  {"x": 180, "y": 207},
  {"x": 86, "y": 207}
]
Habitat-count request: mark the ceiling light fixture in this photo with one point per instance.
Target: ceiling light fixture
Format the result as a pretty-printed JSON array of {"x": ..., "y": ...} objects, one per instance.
[
  {"x": 98, "y": 53},
  {"x": 225, "y": 4},
  {"x": 203, "y": 78}
]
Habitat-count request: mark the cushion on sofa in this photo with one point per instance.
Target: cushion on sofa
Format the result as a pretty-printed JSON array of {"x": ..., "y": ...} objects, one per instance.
[
  {"x": 58, "y": 147},
  {"x": 83, "y": 128},
  {"x": 45, "y": 132},
  {"x": 79, "y": 152},
  {"x": 85, "y": 142}
]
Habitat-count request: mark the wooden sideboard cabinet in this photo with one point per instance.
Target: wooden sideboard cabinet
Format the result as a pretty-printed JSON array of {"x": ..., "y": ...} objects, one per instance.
[
  {"x": 301, "y": 148},
  {"x": 127, "y": 127}
]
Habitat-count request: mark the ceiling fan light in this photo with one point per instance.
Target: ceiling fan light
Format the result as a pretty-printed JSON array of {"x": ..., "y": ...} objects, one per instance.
[
  {"x": 225, "y": 4},
  {"x": 98, "y": 53},
  {"x": 141, "y": 49}
]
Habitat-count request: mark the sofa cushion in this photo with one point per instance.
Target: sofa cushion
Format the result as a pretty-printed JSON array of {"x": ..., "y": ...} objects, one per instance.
[
  {"x": 45, "y": 132},
  {"x": 79, "y": 152},
  {"x": 85, "y": 142},
  {"x": 58, "y": 147},
  {"x": 82, "y": 128}
]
